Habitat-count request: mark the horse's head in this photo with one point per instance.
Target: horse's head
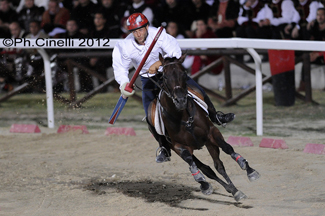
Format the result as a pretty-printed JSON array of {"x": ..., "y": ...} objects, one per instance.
[{"x": 174, "y": 80}]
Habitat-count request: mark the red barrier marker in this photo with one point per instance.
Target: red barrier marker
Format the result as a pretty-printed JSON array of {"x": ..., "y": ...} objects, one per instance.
[
  {"x": 120, "y": 131},
  {"x": 273, "y": 143},
  {"x": 24, "y": 128},
  {"x": 240, "y": 141},
  {"x": 67, "y": 128},
  {"x": 313, "y": 148}
]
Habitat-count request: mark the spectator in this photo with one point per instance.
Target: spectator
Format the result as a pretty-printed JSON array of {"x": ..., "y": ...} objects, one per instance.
[
  {"x": 139, "y": 6},
  {"x": 35, "y": 62},
  {"x": 38, "y": 3},
  {"x": 124, "y": 28},
  {"x": 55, "y": 16},
  {"x": 72, "y": 31},
  {"x": 84, "y": 15},
  {"x": 85, "y": 80},
  {"x": 4, "y": 31},
  {"x": 223, "y": 16},
  {"x": 307, "y": 10},
  {"x": 172, "y": 29},
  {"x": 113, "y": 13},
  {"x": 16, "y": 31},
  {"x": 29, "y": 12},
  {"x": 250, "y": 22},
  {"x": 247, "y": 22},
  {"x": 317, "y": 33},
  {"x": 19, "y": 55},
  {"x": 35, "y": 30},
  {"x": 173, "y": 11},
  {"x": 198, "y": 9},
  {"x": 203, "y": 31},
  {"x": 285, "y": 17},
  {"x": 101, "y": 31},
  {"x": 7, "y": 15}
]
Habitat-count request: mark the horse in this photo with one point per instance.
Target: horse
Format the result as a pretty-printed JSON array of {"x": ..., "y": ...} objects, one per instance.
[{"x": 189, "y": 128}]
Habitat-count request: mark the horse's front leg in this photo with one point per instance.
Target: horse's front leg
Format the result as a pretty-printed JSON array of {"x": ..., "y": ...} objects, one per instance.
[{"x": 186, "y": 155}]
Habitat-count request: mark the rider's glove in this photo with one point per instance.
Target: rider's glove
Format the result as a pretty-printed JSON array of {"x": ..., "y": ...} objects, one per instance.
[{"x": 126, "y": 93}]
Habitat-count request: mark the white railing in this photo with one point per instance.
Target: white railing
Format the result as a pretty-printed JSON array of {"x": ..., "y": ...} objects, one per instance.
[{"x": 249, "y": 44}]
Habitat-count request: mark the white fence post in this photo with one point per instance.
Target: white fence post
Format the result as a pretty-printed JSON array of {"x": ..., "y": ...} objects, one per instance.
[
  {"x": 259, "y": 91},
  {"x": 49, "y": 89}
]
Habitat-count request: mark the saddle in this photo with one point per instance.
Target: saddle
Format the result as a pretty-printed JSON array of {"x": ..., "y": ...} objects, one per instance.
[{"x": 155, "y": 109}]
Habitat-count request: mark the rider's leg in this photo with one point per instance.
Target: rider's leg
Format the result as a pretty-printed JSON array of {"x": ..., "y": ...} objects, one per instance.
[
  {"x": 215, "y": 116},
  {"x": 164, "y": 153},
  {"x": 149, "y": 93}
]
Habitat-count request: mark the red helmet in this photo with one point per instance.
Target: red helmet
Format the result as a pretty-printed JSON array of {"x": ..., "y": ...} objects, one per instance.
[{"x": 136, "y": 21}]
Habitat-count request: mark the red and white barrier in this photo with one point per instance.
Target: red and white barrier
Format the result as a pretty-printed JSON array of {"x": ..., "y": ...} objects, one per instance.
[
  {"x": 239, "y": 141},
  {"x": 120, "y": 131},
  {"x": 273, "y": 143},
  {"x": 68, "y": 128},
  {"x": 24, "y": 128},
  {"x": 313, "y": 148}
]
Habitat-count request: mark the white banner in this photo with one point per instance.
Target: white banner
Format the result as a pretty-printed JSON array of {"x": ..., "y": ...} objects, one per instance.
[{"x": 99, "y": 43}]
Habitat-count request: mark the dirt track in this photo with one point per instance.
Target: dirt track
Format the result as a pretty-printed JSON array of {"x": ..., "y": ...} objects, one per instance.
[{"x": 94, "y": 174}]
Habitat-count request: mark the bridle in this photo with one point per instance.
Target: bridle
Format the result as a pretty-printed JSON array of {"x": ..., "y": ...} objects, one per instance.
[{"x": 165, "y": 87}]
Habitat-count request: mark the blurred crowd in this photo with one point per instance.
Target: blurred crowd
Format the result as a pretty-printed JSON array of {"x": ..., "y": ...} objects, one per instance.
[{"x": 264, "y": 19}]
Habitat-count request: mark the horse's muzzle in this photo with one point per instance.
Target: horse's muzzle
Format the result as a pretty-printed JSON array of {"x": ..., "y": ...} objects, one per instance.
[
  {"x": 180, "y": 99},
  {"x": 180, "y": 103}
]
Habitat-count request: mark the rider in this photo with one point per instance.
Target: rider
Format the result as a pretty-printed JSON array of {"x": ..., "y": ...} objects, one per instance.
[{"x": 132, "y": 50}]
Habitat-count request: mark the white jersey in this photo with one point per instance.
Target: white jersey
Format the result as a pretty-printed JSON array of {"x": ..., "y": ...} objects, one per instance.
[
  {"x": 289, "y": 14},
  {"x": 128, "y": 52},
  {"x": 313, "y": 10}
]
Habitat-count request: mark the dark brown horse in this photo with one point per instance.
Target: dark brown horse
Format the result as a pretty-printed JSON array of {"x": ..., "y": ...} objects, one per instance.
[{"x": 189, "y": 128}]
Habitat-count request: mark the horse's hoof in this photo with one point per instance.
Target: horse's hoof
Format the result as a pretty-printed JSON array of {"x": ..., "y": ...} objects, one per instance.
[
  {"x": 239, "y": 195},
  {"x": 207, "y": 189},
  {"x": 253, "y": 176}
]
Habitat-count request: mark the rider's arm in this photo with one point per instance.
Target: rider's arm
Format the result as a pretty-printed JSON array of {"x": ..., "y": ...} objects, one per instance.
[
  {"x": 121, "y": 63},
  {"x": 170, "y": 46}
]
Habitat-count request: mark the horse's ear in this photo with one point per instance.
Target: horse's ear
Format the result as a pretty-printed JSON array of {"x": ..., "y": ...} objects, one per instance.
[
  {"x": 182, "y": 58},
  {"x": 161, "y": 58}
]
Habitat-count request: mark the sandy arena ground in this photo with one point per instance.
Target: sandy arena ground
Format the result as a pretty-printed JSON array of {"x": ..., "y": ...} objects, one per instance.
[{"x": 93, "y": 174}]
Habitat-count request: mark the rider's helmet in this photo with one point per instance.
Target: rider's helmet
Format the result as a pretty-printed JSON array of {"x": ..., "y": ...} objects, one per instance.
[{"x": 136, "y": 21}]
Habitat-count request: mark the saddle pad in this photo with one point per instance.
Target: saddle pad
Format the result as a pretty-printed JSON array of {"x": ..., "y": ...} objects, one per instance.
[{"x": 155, "y": 111}]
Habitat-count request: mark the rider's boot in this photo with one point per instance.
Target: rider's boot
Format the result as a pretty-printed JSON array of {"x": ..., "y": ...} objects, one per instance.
[
  {"x": 164, "y": 150},
  {"x": 218, "y": 117}
]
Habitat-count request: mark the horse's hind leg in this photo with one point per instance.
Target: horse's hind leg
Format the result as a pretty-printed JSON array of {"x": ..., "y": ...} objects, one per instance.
[
  {"x": 252, "y": 174},
  {"x": 214, "y": 152},
  {"x": 185, "y": 154}
]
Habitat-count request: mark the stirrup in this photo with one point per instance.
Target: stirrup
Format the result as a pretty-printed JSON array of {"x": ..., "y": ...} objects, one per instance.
[
  {"x": 162, "y": 148},
  {"x": 167, "y": 155}
]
